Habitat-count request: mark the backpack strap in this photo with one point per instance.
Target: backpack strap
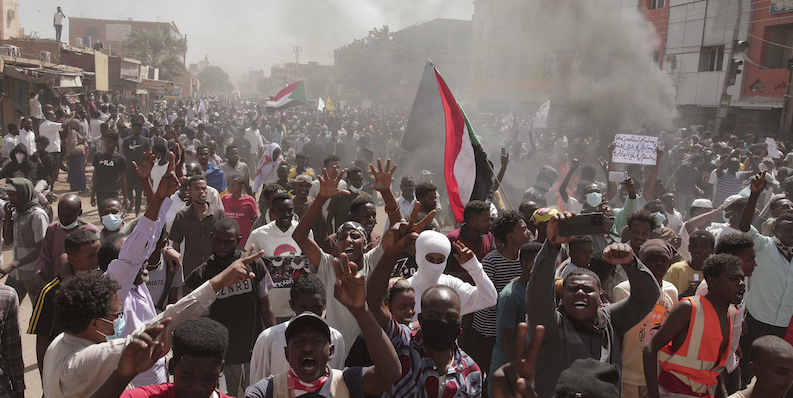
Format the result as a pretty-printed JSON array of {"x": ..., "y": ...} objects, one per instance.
[
  {"x": 338, "y": 388},
  {"x": 280, "y": 385}
]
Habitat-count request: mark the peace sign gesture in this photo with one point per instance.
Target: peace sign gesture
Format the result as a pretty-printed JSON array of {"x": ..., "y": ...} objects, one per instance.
[
  {"x": 516, "y": 378},
  {"x": 350, "y": 286},
  {"x": 400, "y": 236}
]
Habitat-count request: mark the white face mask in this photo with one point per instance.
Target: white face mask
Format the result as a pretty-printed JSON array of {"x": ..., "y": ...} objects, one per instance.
[
  {"x": 19, "y": 157},
  {"x": 354, "y": 190},
  {"x": 430, "y": 242},
  {"x": 593, "y": 199}
]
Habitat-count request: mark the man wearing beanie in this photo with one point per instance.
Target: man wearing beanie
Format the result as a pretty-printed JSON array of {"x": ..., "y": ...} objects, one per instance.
[
  {"x": 581, "y": 328},
  {"x": 590, "y": 378},
  {"x": 656, "y": 254}
]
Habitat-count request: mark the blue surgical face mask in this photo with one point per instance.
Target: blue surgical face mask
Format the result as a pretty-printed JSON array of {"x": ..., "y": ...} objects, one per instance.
[
  {"x": 118, "y": 328},
  {"x": 112, "y": 221},
  {"x": 593, "y": 199},
  {"x": 70, "y": 226},
  {"x": 353, "y": 189},
  {"x": 660, "y": 217}
]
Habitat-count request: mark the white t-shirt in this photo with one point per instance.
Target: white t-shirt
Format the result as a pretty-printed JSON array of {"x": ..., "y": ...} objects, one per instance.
[
  {"x": 51, "y": 130},
  {"x": 277, "y": 243},
  {"x": 336, "y": 313},
  {"x": 58, "y": 18},
  {"x": 156, "y": 282}
]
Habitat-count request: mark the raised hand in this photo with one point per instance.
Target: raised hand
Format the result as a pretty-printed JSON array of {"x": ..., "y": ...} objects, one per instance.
[
  {"x": 462, "y": 253},
  {"x": 659, "y": 153},
  {"x": 504, "y": 159},
  {"x": 143, "y": 170},
  {"x": 574, "y": 163},
  {"x": 610, "y": 148},
  {"x": 400, "y": 236},
  {"x": 350, "y": 286},
  {"x": 382, "y": 178},
  {"x": 552, "y": 228},
  {"x": 516, "y": 378},
  {"x": 144, "y": 350},
  {"x": 629, "y": 186},
  {"x": 169, "y": 183},
  {"x": 759, "y": 182},
  {"x": 604, "y": 164},
  {"x": 329, "y": 184},
  {"x": 618, "y": 254}
]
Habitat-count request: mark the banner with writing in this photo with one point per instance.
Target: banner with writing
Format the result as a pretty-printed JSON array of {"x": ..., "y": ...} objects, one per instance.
[{"x": 634, "y": 149}]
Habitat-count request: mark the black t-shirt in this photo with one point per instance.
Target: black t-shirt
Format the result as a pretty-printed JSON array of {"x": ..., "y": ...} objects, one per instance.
[
  {"x": 237, "y": 306},
  {"x": 134, "y": 148},
  {"x": 107, "y": 169},
  {"x": 244, "y": 149}
]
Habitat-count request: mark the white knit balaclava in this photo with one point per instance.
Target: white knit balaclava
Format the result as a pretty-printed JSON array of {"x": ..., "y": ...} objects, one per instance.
[{"x": 430, "y": 242}]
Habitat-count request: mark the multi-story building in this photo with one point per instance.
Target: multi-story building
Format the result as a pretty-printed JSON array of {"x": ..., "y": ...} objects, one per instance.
[
  {"x": 9, "y": 12},
  {"x": 111, "y": 33}
]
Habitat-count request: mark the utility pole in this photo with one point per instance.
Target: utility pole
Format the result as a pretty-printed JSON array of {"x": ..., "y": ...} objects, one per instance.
[
  {"x": 297, "y": 50},
  {"x": 724, "y": 100}
]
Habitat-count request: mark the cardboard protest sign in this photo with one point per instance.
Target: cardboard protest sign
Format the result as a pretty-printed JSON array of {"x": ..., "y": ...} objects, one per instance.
[
  {"x": 773, "y": 151},
  {"x": 634, "y": 149}
]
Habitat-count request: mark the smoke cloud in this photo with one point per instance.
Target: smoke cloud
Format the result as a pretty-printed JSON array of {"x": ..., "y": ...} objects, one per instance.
[{"x": 611, "y": 82}]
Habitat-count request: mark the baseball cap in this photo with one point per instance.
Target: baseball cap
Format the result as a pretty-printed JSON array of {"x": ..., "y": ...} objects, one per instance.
[
  {"x": 730, "y": 200},
  {"x": 306, "y": 318}
]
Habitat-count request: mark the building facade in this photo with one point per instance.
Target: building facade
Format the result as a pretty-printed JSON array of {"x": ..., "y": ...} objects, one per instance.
[{"x": 86, "y": 32}]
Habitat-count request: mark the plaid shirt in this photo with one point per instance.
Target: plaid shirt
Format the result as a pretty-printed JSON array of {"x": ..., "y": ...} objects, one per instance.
[
  {"x": 419, "y": 372},
  {"x": 12, "y": 384}
]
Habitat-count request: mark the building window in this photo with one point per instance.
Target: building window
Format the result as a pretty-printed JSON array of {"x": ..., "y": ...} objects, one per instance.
[
  {"x": 779, "y": 42},
  {"x": 656, "y": 57},
  {"x": 482, "y": 30},
  {"x": 657, "y": 4},
  {"x": 711, "y": 59},
  {"x": 524, "y": 65},
  {"x": 480, "y": 65},
  {"x": 92, "y": 32}
]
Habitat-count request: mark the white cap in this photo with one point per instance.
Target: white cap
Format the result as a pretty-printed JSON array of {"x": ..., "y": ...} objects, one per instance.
[
  {"x": 730, "y": 200},
  {"x": 702, "y": 203}
]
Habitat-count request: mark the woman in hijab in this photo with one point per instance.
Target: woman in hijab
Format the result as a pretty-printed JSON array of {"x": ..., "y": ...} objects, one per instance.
[{"x": 268, "y": 164}]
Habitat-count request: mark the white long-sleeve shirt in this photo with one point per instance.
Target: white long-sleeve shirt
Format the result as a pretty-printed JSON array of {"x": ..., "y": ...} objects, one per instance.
[
  {"x": 268, "y": 352},
  {"x": 472, "y": 298}
]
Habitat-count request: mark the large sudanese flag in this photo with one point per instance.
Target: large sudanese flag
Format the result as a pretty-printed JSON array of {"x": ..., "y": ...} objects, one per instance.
[
  {"x": 466, "y": 171},
  {"x": 293, "y": 95}
]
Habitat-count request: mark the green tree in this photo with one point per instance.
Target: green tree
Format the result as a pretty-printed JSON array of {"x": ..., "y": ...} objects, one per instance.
[
  {"x": 368, "y": 65},
  {"x": 157, "y": 48},
  {"x": 215, "y": 80}
]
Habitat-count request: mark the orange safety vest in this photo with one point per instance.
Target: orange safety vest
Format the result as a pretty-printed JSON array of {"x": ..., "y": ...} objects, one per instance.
[{"x": 694, "y": 363}]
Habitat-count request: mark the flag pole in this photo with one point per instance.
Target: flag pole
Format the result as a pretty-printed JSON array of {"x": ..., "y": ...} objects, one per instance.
[{"x": 500, "y": 185}]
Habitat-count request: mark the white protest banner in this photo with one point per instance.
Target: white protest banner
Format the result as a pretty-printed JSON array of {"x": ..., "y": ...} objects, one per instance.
[
  {"x": 634, "y": 149},
  {"x": 508, "y": 119},
  {"x": 773, "y": 151}
]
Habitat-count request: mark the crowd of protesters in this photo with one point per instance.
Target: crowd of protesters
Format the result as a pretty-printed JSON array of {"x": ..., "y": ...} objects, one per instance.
[{"x": 257, "y": 267}]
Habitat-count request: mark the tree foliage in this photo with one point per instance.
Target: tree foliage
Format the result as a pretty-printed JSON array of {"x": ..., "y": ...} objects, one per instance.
[
  {"x": 368, "y": 65},
  {"x": 215, "y": 80},
  {"x": 158, "y": 48}
]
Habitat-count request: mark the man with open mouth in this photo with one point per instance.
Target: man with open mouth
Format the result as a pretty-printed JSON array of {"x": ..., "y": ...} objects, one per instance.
[{"x": 580, "y": 327}]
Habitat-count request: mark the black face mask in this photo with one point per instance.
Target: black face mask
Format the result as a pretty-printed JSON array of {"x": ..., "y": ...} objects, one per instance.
[{"x": 439, "y": 335}]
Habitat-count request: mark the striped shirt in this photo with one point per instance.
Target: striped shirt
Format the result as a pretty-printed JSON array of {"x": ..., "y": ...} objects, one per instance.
[
  {"x": 501, "y": 271},
  {"x": 729, "y": 184},
  {"x": 11, "y": 343},
  {"x": 420, "y": 376}
]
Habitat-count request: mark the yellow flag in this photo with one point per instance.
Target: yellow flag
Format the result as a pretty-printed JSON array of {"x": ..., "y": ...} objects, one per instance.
[{"x": 329, "y": 105}]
